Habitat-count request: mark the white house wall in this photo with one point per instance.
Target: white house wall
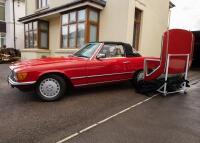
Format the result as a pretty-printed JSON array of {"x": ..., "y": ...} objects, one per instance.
[
  {"x": 19, "y": 29},
  {"x": 154, "y": 24},
  {"x": 31, "y": 5},
  {"x": 117, "y": 23}
]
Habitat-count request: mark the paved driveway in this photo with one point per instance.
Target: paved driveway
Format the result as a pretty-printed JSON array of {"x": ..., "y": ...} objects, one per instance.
[{"x": 97, "y": 115}]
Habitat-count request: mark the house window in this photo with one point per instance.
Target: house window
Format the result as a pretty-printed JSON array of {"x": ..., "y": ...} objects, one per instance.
[
  {"x": 31, "y": 35},
  {"x": 137, "y": 28},
  {"x": 2, "y": 40},
  {"x": 93, "y": 25},
  {"x": 42, "y": 3},
  {"x": 2, "y": 11},
  {"x": 79, "y": 27},
  {"x": 43, "y": 34},
  {"x": 37, "y": 34}
]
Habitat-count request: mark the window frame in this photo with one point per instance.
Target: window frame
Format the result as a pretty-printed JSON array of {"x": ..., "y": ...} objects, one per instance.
[
  {"x": 137, "y": 28},
  {"x": 39, "y": 4},
  {"x": 93, "y": 23},
  {"x": 38, "y": 31},
  {"x": 87, "y": 23},
  {"x": 29, "y": 31},
  {"x": 3, "y": 5},
  {"x": 44, "y": 31},
  {"x": 2, "y": 36}
]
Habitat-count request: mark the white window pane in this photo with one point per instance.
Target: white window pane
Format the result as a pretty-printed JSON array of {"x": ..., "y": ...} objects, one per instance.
[
  {"x": 81, "y": 15},
  {"x": 30, "y": 25},
  {"x": 72, "y": 17},
  {"x": 64, "y": 30},
  {"x": 35, "y": 26},
  {"x": 64, "y": 36},
  {"x": 2, "y": 40},
  {"x": 81, "y": 34},
  {"x": 65, "y": 19},
  {"x": 44, "y": 40},
  {"x": 31, "y": 40},
  {"x": 39, "y": 3},
  {"x": 2, "y": 13},
  {"x": 93, "y": 33},
  {"x": 64, "y": 41},
  {"x": 44, "y": 3},
  {"x": 93, "y": 16},
  {"x": 35, "y": 39},
  {"x": 72, "y": 36},
  {"x": 26, "y": 27},
  {"x": 26, "y": 40}
]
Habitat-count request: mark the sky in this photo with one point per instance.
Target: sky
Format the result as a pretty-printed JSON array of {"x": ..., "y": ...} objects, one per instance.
[{"x": 186, "y": 15}]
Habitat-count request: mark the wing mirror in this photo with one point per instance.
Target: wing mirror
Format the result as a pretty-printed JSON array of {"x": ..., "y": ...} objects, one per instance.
[{"x": 101, "y": 56}]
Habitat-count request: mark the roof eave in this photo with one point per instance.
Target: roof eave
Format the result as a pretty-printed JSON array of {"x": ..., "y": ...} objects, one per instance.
[{"x": 75, "y": 4}]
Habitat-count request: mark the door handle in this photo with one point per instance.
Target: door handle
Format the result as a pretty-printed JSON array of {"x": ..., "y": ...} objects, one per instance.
[{"x": 126, "y": 62}]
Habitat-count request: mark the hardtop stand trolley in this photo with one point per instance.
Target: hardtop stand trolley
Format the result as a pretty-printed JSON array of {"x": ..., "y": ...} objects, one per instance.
[{"x": 176, "y": 58}]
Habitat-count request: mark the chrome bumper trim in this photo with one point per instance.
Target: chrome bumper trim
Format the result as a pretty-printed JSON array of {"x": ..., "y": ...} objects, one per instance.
[
  {"x": 14, "y": 83},
  {"x": 102, "y": 75}
]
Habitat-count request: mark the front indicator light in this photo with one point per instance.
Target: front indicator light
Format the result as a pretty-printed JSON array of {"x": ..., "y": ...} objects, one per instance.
[{"x": 21, "y": 76}]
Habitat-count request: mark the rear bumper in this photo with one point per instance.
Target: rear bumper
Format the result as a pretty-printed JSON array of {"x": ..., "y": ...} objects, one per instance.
[{"x": 15, "y": 84}]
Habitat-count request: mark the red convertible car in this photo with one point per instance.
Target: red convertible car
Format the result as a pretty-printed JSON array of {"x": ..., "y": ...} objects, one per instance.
[{"x": 95, "y": 63}]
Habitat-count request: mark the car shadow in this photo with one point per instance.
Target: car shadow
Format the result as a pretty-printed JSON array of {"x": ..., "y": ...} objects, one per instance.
[
  {"x": 86, "y": 90},
  {"x": 97, "y": 90},
  {"x": 107, "y": 88}
]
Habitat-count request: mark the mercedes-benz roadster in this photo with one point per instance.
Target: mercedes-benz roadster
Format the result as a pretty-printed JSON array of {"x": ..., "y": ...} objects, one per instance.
[{"x": 95, "y": 63}]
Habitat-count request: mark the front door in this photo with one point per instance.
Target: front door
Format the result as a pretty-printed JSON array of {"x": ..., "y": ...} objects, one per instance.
[{"x": 110, "y": 68}]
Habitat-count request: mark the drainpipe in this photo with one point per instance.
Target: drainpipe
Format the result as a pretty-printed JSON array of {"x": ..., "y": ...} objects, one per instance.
[
  {"x": 14, "y": 35},
  {"x": 169, "y": 19},
  {"x": 171, "y": 5}
]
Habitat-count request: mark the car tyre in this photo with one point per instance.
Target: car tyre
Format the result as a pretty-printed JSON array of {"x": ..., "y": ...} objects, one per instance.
[
  {"x": 138, "y": 78},
  {"x": 51, "y": 88}
]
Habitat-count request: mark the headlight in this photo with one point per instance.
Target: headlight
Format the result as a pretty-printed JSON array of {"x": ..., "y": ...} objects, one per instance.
[{"x": 21, "y": 75}]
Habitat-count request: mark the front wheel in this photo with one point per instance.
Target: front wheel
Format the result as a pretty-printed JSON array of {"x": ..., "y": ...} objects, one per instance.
[{"x": 51, "y": 88}]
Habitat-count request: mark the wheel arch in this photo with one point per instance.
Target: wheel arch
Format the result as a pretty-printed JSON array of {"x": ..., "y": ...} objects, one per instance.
[
  {"x": 136, "y": 72},
  {"x": 139, "y": 70},
  {"x": 66, "y": 78}
]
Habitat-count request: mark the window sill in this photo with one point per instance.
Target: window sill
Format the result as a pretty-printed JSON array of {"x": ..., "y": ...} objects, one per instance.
[
  {"x": 41, "y": 9},
  {"x": 36, "y": 50}
]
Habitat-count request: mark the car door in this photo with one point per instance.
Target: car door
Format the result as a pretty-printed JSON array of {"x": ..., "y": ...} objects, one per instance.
[{"x": 110, "y": 68}]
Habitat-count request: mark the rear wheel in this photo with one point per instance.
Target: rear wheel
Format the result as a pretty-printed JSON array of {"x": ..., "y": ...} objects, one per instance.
[
  {"x": 139, "y": 76},
  {"x": 51, "y": 88}
]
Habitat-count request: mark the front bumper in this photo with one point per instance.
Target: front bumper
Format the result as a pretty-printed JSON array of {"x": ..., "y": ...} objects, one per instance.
[
  {"x": 15, "y": 83},
  {"x": 11, "y": 81}
]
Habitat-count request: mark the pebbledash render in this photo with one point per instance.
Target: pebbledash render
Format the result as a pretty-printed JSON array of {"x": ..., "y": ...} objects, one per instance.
[{"x": 61, "y": 27}]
